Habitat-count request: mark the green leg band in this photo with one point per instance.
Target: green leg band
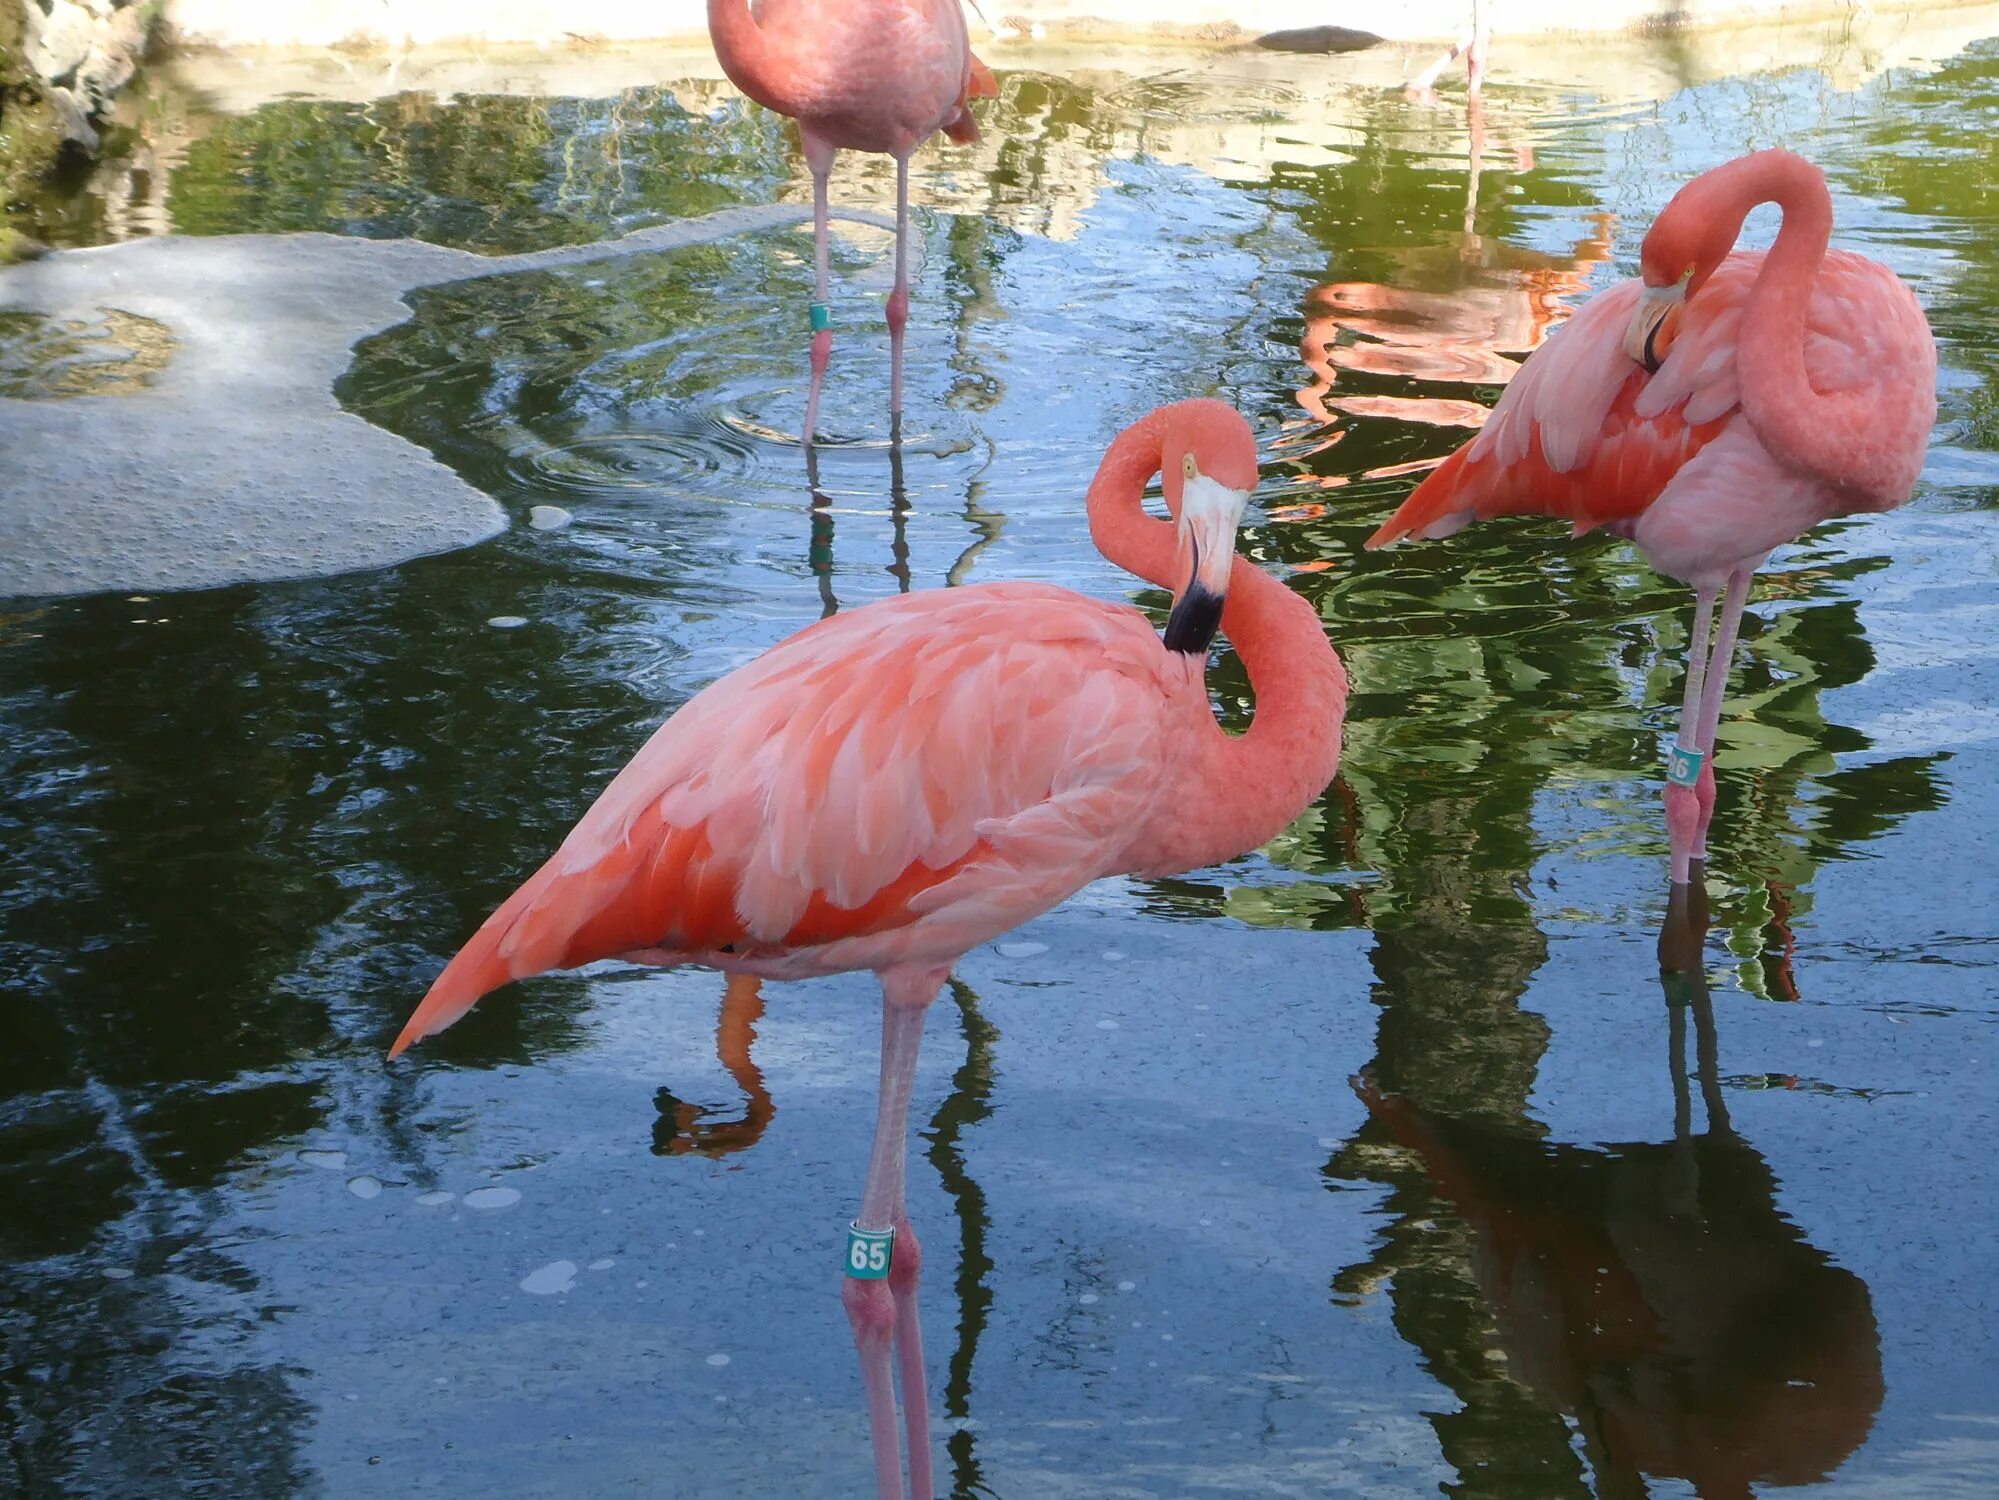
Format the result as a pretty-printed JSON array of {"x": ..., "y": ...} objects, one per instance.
[
  {"x": 1683, "y": 766},
  {"x": 869, "y": 1252}
]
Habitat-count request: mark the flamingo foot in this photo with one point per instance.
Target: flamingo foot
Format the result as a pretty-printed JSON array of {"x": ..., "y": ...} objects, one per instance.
[
  {"x": 1684, "y": 932},
  {"x": 871, "y": 1313}
]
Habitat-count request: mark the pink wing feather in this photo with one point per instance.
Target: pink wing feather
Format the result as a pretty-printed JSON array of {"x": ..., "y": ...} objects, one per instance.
[
  {"x": 1582, "y": 432},
  {"x": 917, "y": 775}
]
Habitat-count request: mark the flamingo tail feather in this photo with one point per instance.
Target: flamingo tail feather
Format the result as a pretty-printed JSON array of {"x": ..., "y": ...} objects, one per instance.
[
  {"x": 1435, "y": 508},
  {"x": 480, "y": 967}
]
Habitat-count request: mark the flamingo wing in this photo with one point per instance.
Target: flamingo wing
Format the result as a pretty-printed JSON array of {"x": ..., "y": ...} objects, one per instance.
[
  {"x": 906, "y": 779},
  {"x": 1582, "y": 432},
  {"x": 979, "y": 84}
]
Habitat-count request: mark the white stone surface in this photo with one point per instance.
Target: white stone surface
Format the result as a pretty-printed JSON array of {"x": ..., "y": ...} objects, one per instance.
[{"x": 236, "y": 463}]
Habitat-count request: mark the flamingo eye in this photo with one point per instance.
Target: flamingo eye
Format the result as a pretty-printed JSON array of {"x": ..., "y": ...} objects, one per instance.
[{"x": 1188, "y": 468}]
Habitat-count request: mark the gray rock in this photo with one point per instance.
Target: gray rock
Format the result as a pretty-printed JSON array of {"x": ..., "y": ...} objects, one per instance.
[
  {"x": 113, "y": 59},
  {"x": 72, "y": 118},
  {"x": 59, "y": 41}
]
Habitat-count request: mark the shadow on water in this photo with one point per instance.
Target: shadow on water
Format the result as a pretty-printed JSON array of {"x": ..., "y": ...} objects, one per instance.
[
  {"x": 1652, "y": 1292},
  {"x": 969, "y": 1102}
]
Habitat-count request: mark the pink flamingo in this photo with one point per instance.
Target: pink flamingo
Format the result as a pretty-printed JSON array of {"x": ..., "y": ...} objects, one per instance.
[
  {"x": 1725, "y": 402},
  {"x": 1471, "y": 47},
  {"x": 867, "y": 75},
  {"x": 896, "y": 784}
]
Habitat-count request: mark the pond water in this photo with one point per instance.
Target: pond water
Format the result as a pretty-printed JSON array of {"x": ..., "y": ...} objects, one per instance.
[{"x": 1598, "y": 1236}]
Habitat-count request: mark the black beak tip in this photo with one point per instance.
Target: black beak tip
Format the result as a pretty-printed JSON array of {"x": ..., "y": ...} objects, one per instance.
[
  {"x": 1651, "y": 352},
  {"x": 1197, "y": 615}
]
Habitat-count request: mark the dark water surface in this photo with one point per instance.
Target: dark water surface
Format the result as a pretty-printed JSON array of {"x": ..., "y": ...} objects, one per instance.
[{"x": 1601, "y": 1236}]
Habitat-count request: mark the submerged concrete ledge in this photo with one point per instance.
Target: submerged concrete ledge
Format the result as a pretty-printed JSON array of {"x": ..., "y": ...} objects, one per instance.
[{"x": 586, "y": 23}]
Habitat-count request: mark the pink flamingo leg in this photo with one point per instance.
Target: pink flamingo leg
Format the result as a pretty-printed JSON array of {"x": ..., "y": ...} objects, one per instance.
[
  {"x": 904, "y": 1273},
  {"x": 1424, "y": 83},
  {"x": 1683, "y": 818},
  {"x": 819, "y": 157},
  {"x": 898, "y": 300},
  {"x": 1717, "y": 683},
  {"x": 881, "y": 1311},
  {"x": 1481, "y": 33}
]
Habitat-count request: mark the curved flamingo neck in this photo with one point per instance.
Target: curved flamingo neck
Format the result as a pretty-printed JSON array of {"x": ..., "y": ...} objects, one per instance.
[
  {"x": 1240, "y": 791},
  {"x": 1831, "y": 437},
  {"x": 757, "y": 61},
  {"x": 1141, "y": 544},
  {"x": 1277, "y": 769}
]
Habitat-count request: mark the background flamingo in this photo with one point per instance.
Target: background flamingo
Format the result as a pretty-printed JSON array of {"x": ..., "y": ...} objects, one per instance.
[
  {"x": 866, "y": 75},
  {"x": 1723, "y": 403},
  {"x": 896, "y": 784},
  {"x": 1471, "y": 47}
]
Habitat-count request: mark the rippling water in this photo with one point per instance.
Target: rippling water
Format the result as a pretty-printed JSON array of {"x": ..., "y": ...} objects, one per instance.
[{"x": 1589, "y": 1237}]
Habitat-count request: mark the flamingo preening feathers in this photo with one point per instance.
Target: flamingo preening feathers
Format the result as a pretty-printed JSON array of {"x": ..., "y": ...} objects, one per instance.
[
  {"x": 1723, "y": 403},
  {"x": 859, "y": 75},
  {"x": 896, "y": 784}
]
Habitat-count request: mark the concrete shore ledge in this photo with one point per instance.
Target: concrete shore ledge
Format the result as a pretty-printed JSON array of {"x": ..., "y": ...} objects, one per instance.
[
  {"x": 376, "y": 25},
  {"x": 1627, "y": 67}
]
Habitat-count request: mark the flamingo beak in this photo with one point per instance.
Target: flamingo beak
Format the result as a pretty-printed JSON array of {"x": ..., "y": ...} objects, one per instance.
[
  {"x": 1641, "y": 339},
  {"x": 1209, "y": 515}
]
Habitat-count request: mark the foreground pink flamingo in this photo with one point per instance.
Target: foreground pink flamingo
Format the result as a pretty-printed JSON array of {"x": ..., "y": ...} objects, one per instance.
[
  {"x": 894, "y": 785},
  {"x": 1722, "y": 404},
  {"x": 863, "y": 75}
]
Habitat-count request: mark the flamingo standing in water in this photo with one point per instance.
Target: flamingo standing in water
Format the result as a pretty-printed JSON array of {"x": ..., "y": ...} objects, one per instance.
[
  {"x": 1471, "y": 47},
  {"x": 866, "y": 75},
  {"x": 896, "y": 784},
  {"x": 1723, "y": 403}
]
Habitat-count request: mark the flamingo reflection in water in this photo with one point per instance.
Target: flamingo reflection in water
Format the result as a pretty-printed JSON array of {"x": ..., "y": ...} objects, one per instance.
[
  {"x": 684, "y": 1128},
  {"x": 1653, "y": 1290},
  {"x": 1453, "y": 313}
]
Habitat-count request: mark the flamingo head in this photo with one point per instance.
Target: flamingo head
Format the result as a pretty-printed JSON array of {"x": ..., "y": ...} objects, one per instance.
[
  {"x": 1691, "y": 236},
  {"x": 1208, "y": 466}
]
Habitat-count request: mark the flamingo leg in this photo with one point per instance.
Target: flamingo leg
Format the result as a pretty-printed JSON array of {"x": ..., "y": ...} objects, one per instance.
[
  {"x": 898, "y": 300},
  {"x": 1683, "y": 820},
  {"x": 1719, "y": 666},
  {"x": 1424, "y": 83},
  {"x": 819, "y": 157},
  {"x": 882, "y": 1311},
  {"x": 1481, "y": 34},
  {"x": 902, "y": 1279}
]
